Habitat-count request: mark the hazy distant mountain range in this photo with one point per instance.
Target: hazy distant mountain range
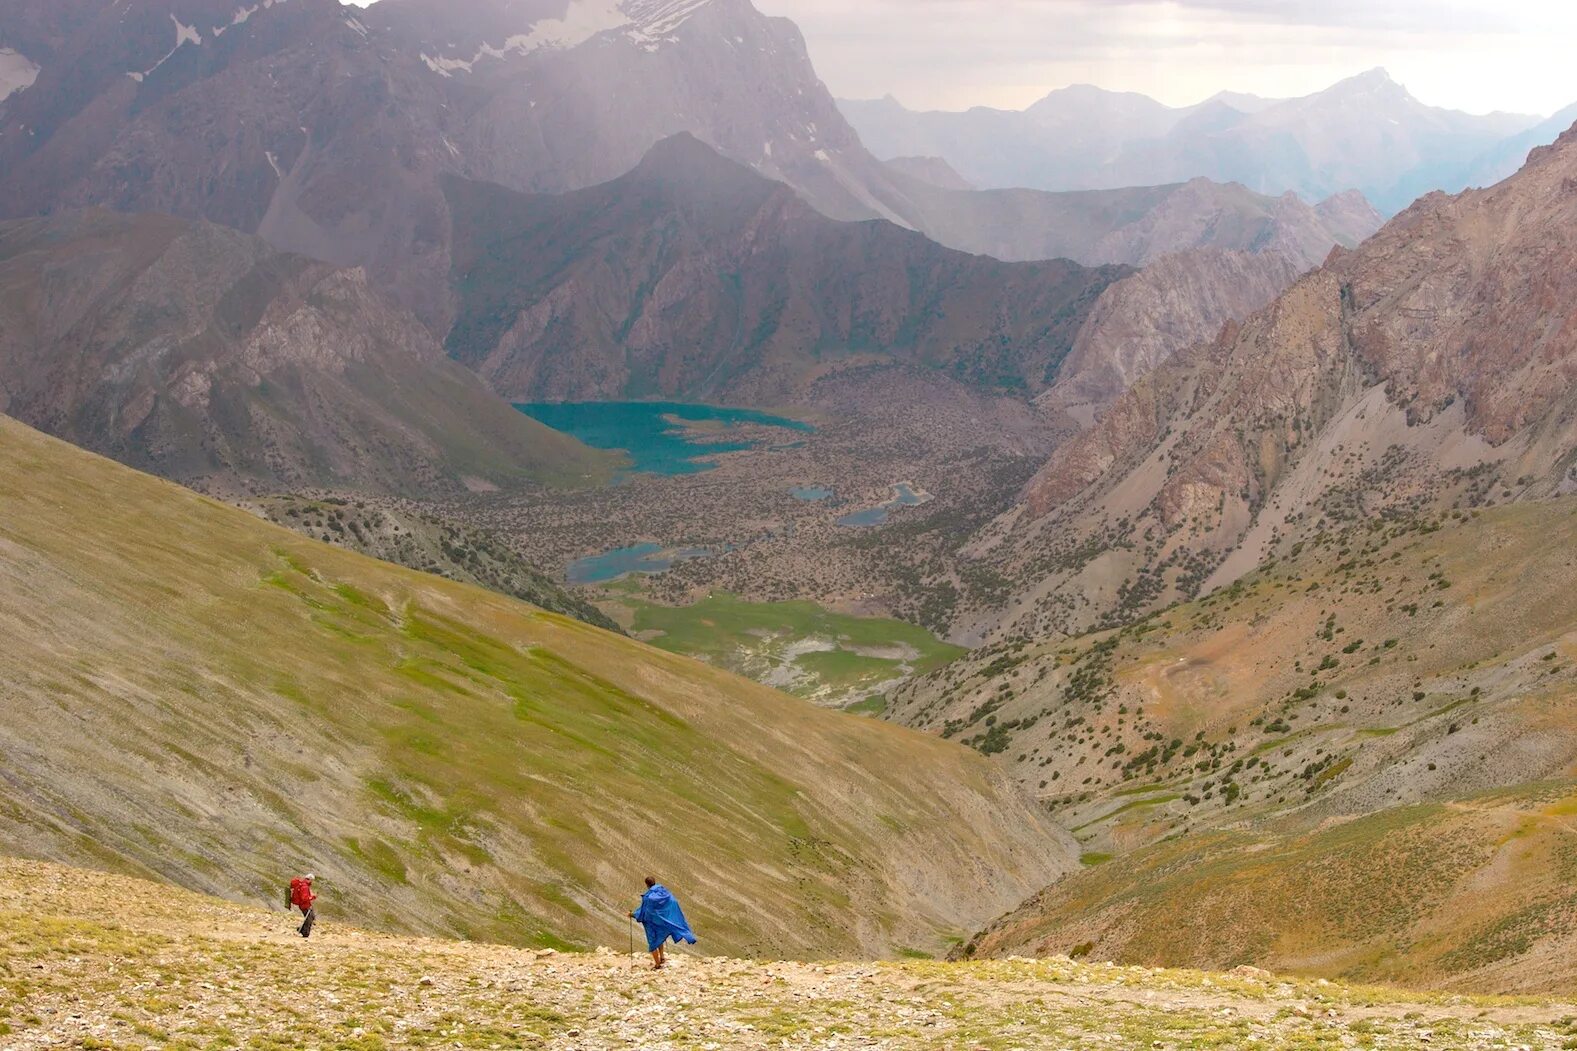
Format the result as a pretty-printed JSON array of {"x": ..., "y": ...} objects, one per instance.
[
  {"x": 327, "y": 130},
  {"x": 1365, "y": 133}
]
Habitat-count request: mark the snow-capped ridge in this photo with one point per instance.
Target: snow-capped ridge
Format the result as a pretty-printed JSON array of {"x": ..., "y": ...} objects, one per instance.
[{"x": 647, "y": 23}]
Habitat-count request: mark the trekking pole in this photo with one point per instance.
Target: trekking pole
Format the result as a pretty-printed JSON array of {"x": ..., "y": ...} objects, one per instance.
[{"x": 631, "y": 957}]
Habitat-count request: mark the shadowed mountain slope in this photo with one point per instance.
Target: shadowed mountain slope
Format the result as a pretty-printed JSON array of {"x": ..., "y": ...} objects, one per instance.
[
  {"x": 203, "y": 354},
  {"x": 694, "y": 276},
  {"x": 326, "y": 129},
  {"x": 194, "y": 694}
]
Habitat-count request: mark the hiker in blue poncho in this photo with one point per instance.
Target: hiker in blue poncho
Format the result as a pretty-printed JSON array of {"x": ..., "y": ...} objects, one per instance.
[{"x": 663, "y": 919}]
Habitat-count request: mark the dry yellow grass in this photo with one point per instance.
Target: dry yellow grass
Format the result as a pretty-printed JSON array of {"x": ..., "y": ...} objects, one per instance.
[{"x": 106, "y": 962}]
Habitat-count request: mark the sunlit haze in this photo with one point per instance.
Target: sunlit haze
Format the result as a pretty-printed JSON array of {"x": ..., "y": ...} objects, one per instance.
[{"x": 952, "y": 54}]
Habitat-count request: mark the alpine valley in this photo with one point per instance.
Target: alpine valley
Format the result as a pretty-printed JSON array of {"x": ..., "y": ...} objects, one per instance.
[{"x": 485, "y": 451}]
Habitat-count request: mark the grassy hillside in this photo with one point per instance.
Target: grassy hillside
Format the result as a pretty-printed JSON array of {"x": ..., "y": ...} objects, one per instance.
[
  {"x": 1311, "y": 737},
  {"x": 1474, "y": 893},
  {"x": 804, "y": 648},
  {"x": 104, "y": 962},
  {"x": 194, "y": 694}
]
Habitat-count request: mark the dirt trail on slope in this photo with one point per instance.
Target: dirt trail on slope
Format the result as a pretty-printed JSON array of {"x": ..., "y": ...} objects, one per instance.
[{"x": 103, "y": 961}]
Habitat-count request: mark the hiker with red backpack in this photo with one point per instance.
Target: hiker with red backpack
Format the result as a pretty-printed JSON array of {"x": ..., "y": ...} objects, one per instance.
[{"x": 301, "y": 897}]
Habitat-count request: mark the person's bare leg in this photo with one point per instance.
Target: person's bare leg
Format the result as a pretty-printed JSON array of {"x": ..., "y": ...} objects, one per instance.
[{"x": 657, "y": 959}]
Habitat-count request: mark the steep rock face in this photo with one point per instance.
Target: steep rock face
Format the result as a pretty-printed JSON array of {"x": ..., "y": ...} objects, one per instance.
[
  {"x": 1170, "y": 305},
  {"x": 329, "y": 130},
  {"x": 694, "y": 276},
  {"x": 291, "y": 120},
  {"x": 205, "y": 355},
  {"x": 1437, "y": 361},
  {"x": 1364, "y": 133}
]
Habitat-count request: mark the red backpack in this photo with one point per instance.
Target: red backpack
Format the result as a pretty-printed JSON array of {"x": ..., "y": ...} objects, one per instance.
[{"x": 301, "y": 895}]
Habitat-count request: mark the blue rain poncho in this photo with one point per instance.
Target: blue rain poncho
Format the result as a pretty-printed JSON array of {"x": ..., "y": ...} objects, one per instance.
[{"x": 663, "y": 919}]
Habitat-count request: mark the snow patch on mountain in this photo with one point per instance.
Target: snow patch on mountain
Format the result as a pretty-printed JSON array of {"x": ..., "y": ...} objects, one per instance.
[
  {"x": 646, "y": 23},
  {"x": 184, "y": 34},
  {"x": 17, "y": 71},
  {"x": 242, "y": 14}
]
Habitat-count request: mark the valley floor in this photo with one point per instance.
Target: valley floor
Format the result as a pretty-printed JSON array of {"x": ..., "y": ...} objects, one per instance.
[{"x": 95, "y": 961}]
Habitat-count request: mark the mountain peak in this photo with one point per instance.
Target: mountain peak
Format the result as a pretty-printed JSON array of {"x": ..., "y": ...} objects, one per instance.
[
  {"x": 684, "y": 160},
  {"x": 1376, "y": 81}
]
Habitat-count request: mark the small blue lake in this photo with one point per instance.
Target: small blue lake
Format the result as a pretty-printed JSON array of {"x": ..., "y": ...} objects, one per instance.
[
  {"x": 903, "y": 496},
  {"x": 812, "y": 494},
  {"x": 621, "y": 562},
  {"x": 646, "y": 431}
]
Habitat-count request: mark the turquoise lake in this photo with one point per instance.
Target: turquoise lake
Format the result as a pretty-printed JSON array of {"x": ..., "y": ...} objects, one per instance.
[
  {"x": 903, "y": 496},
  {"x": 621, "y": 562},
  {"x": 812, "y": 494},
  {"x": 654, "y": 445}
]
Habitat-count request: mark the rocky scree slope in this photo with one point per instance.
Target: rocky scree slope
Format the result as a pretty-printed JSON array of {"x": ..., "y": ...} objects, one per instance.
[
  {"x": 204, "y": 355},
  {"x": 197, "y": 695},
  {"x": 93, "y": 940},
  {"x": 693, "y": 276},
  {"x": 1432, "y": 366}
]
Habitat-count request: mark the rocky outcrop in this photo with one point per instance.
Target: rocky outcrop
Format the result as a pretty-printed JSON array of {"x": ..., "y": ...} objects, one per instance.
[
  {"x": 694, "y": 276},
  {"x": 1142, "y": 320},
  {"x": 202, "y": 354}
]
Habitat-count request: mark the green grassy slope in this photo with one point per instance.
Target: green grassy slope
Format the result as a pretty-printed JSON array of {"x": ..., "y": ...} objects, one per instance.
[
  {"x": 195, "y": 694},
  {"x": 802, "y": 647}
]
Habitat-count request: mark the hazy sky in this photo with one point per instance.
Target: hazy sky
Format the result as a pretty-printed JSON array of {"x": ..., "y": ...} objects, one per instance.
[{"x": 1476, "y": 55}]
